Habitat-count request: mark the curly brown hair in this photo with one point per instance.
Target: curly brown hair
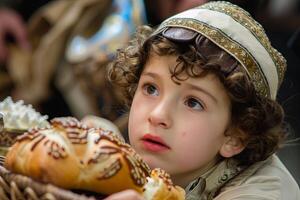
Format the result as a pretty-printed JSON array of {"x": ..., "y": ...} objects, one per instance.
[{"x": 258, "y": 121}]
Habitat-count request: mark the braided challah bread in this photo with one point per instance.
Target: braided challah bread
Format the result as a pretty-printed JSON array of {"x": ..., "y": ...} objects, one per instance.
[{"x": 70, "y": 155}]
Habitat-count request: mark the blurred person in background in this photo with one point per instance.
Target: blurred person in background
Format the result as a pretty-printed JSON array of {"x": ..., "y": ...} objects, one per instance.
[
  {"x": 11, "y": 24},
  {"x": 13, "y": 17}
]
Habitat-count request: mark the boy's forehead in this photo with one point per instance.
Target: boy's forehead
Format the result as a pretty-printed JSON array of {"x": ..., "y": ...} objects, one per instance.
[
  {"x": 154, "y": 59},
  {"x": 169, "y": 65}
]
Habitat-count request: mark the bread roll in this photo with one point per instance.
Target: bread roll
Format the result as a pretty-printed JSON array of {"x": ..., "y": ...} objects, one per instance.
[
  {"x": 72, "y": 156},
  {"x": 159, "y": 186}
]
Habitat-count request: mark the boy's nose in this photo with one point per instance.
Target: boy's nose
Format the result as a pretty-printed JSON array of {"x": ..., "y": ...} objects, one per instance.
[{"x": 161, "y": 115}]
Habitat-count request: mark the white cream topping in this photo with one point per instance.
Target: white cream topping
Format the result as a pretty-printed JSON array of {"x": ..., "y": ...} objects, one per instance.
[
  {"x": 16, "y": 115},
  {"x": 151, "y": 187}
]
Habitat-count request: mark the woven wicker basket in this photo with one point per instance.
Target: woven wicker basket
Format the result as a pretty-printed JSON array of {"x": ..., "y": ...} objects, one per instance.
[
  {"x": 18, "y": 187},
  {"x": 7, "y": 136}
]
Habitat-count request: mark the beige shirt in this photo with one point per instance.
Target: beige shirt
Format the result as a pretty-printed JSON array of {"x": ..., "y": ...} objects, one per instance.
[{"x": 266, "y": 180}]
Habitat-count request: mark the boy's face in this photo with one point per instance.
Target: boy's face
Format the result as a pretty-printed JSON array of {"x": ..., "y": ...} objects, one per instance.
[{"x": 179, "y": 128}]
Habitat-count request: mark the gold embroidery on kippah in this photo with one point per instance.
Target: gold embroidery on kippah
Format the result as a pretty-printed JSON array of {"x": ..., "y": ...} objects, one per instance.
[
  {"x": 232, "y": 47},
  {"x": 254, "y": 27}
]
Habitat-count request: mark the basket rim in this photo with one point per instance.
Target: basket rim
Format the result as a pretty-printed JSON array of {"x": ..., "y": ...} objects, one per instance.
[
  {"x": 14, "y": 130},
  {"x": 24, "y": 182}
]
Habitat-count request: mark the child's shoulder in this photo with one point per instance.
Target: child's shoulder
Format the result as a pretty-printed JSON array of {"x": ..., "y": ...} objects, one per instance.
[
  {"x": 265, "y": 180},
  {"x": 268, "y": 179}
]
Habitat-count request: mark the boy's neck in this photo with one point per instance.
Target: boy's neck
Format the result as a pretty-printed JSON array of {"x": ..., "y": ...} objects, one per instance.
[{"x": 184, "y": 179}]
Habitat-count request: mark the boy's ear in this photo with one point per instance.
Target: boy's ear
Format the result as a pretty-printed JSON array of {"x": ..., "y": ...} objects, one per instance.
[{"x": 232, "y": 146}]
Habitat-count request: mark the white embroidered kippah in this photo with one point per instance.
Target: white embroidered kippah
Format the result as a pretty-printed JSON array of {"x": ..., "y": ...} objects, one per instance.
[{"x": 235, "y": 31}]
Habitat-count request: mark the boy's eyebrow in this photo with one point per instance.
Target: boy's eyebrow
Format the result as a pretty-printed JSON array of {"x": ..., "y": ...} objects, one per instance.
[
  {"x": 153, "y": 75},
  {"x": 194, "y": 87}
]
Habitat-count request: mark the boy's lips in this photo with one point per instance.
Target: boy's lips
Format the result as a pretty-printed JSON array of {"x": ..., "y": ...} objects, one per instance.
[{"x": 154, "y": 143}]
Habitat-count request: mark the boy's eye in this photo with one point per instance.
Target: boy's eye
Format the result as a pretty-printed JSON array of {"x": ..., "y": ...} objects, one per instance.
[
  {"x": 194, "y": 104},
  {"x": 150, "y": 89}
]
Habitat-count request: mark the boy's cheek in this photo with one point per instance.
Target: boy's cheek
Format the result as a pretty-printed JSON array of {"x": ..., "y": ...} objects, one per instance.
[{"x": 138, "y": 115}]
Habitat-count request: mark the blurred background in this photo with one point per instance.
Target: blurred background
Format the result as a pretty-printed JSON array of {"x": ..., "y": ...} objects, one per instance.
[{"x": 53, "y": 54}]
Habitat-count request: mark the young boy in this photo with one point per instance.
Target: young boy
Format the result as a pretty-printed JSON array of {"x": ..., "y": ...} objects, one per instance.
[{"x": 202, "y": 91}]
